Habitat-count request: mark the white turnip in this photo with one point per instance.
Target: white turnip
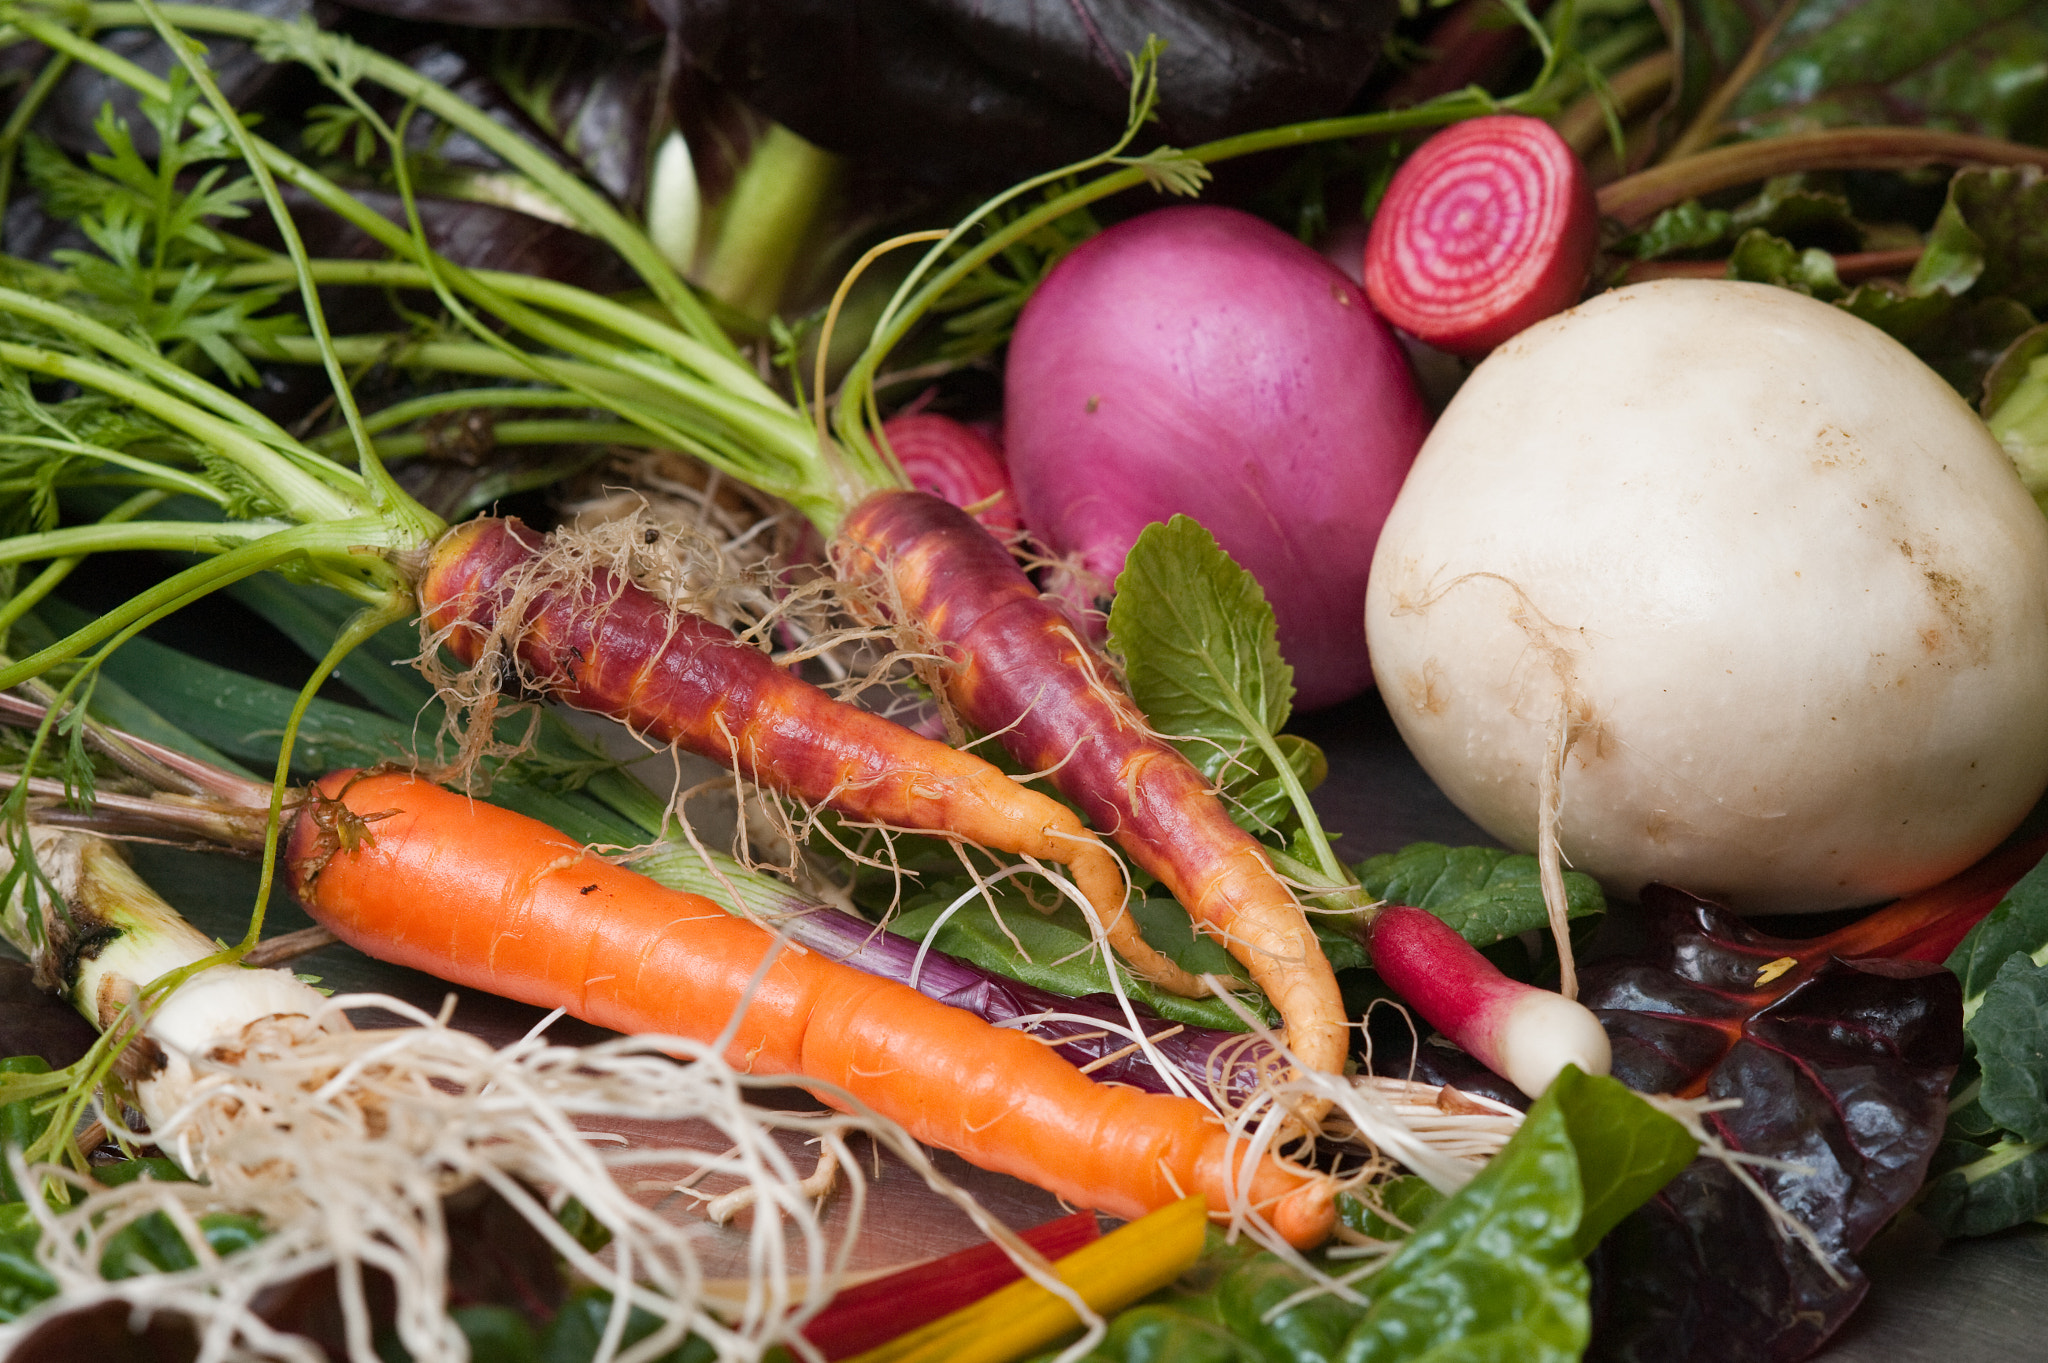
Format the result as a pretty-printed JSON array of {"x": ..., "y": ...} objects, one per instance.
[
  {"x": 1196, "y": 360},
  {"x": 1754, "y": 584}
]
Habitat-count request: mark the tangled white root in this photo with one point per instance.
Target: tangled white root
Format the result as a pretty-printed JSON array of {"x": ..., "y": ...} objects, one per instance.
[{"x": 344, "y": 1144}]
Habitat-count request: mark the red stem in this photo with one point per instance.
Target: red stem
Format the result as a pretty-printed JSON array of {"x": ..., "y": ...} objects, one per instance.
[{"x": 873, "y": 1313}]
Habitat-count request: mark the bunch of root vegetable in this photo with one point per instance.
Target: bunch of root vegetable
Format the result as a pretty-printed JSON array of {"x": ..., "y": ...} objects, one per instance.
[
  {"x": 344, "y": 1144},
  {"x": 665, "y": 377}
]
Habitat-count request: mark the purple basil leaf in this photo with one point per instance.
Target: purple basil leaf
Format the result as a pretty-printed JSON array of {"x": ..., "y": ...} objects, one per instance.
[
  {"x": 33, "y": 1022},
  {"x": 956, "y": 92},
  {"x": 589, "y": 15}
]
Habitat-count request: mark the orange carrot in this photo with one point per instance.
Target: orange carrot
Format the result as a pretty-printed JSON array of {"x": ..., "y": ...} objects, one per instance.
[
  {"x": 1025, "y": 674},
  {"x": 483, "y": 897},
  {"x": 600, "y": 643}
]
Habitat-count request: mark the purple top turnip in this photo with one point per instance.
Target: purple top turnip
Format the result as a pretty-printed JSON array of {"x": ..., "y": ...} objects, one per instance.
[{"x": 1196, "y": 360}]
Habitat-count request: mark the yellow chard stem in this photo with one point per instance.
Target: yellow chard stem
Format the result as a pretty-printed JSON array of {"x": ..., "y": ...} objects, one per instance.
[{"x": 1129, "y": 1263}]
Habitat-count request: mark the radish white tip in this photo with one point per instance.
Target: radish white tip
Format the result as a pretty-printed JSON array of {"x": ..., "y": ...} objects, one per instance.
[{"x": 1543, "y": 1033}]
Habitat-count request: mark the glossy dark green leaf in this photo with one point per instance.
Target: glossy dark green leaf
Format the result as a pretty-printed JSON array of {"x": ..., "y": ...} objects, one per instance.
[
  {"x": 2010, "y": 1031},
  {"x": 2018, "y": 924},
  {"x": 2005, "y": 1185},
  {"x": 1975, "y": 65},
  {"x": 1486, "y": 893}
]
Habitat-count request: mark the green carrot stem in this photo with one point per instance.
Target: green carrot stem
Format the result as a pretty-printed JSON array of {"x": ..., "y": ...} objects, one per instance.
[
  {"x": 27, "y": 595},
  {"x": 625, "y": 322},
  {"x": 107, "y": 536},
  {"x": 292, "y": 482},
  {"x": 796, "y": 482},
  {"x": 332, "y": 53},
  {"x": 149, "y": 471},
  {"x": 567, "y": 431},
  {"x": 332, "y": 548},
  {"x": 735, "y": 445},
  {"x": 147, "y": 363},
  {"x": 383, "y": 492}
]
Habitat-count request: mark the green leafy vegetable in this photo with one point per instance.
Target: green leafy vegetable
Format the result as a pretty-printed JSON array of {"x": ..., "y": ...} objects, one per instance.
[
  {"x": 2010, "y": 1031},
  {"x": 1766, "y": 259},
  {"x": 1493, "y": 1273},
  {"x": 1992, "y": 1172},
  {"x": 1980, "y": 67}
]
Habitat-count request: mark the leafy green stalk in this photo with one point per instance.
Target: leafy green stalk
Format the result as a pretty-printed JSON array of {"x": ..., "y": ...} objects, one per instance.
[
  {"x": 60, "y": 567},
  {"x": 341, "y": 65}
]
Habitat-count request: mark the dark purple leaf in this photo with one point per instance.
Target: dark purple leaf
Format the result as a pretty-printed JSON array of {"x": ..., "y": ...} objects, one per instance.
[
  {"x": 589, "y": 15},
  {"x": 1842, "y": 1066},
  {"x": 33, "y": 1022},
  {"x": 954, "y": 92},
  {"x": 67, "y": 117}
]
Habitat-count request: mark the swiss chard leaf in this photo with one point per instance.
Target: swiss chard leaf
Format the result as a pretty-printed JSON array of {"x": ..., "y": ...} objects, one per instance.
[
  {"x": 2019, "y": 923},
  {"x": 1989, "y": 1188},
  {"x": 1842, "y": 1068},
  {"x": 1962, "y": 64},
  {"x": 1492, "y": 1273},
  {"x": 1497, "y": 1271}
]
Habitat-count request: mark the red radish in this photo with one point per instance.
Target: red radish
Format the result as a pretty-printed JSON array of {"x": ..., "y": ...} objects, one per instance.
[
  {"x": 1196, "y": 360},
  {"x": 957, "y": 462},
  {"x": 873, "y": 1313},
  {"x": 1523, "y": 1034},
  {"x": 1489, "y": 227}
]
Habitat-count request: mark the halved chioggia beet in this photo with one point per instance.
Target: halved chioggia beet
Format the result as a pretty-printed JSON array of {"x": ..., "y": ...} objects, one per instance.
[
  {"x": 953, "y": 460},
  {"x": 1489, "y": 227}
]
